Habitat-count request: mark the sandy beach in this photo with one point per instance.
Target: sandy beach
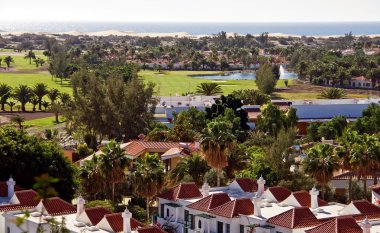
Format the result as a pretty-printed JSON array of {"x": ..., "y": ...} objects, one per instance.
[{"x": 162, "y": 34}]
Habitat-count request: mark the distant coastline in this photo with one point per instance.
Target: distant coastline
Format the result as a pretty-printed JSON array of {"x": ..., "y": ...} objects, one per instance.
[{"x": 315, "y": 29}]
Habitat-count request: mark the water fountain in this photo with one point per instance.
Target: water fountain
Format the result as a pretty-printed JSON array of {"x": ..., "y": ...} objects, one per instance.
[{"x": 282, "y": 72}]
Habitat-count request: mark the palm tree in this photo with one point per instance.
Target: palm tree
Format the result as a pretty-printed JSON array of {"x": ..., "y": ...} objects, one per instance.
[
  {"x": 23, "y": 93},
  {"x": 65, "y": 98},
  {"x": 91, "y": 180},
  {"x": 11, "y": 104},
  {"x": 45, "y": 104},
  {"x": 365, "y": 156},
  {"x": 320, "y": 163},
  {"x": 8, "y": 60},
  {"x": 30, "y": 55},
  {"x": 333, "y": 93},
  {"x": 5, "y": 93},
  {"x": 148, "y": 177},
  {"x": 18, "y": 120},
  {"x": 346, "y": 142},
  {"x": 112, "y": 164},
  {"x": 216, "y": 142},
  {"x": 195, "y": 166},
  {"x": 209, "y": 89},
  {"x": 40, "y": 90},
  {"x": 53, "y": 95},
  {"x": 34, "y": 102}
]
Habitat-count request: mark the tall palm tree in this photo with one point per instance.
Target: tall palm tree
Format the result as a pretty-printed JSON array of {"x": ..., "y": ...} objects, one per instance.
[
  {"x": 5, "y": 93},
  {"x": 112, "y": 164},
  {"x": 40, "y": 90},
  {"x": 216, "y": 142},
  {"x": 195, "y": 166},
  {"x": 30, "y": 55},
  {"x": 91, "y": 180},
  {"x": 321, "y": 162},
  {"x": 209, "y": 89},
  {"x": 34, "y": 102},
  {"x": 148, "y": 177},
  {"x": 365, "y": 156},
  {"x": 346, "y": 142},
  {"x": 53, "y": 95},
  {"x": 23, "y": 94},
  {"x": 8, "y": 60}
]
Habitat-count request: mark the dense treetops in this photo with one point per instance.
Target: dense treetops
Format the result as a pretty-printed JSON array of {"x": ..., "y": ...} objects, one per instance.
[{"x": 26, "y": 157}]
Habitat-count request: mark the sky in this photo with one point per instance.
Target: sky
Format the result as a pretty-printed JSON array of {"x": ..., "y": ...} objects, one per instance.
[{"x": 191, "y": 10}]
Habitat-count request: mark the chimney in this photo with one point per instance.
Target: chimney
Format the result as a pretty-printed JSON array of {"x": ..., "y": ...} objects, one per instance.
[
  {"x": 314, "y": 198},
  {"x": 11, "y": 187},
  {"x": 366, "y": 226},
  {"x": 257, "y": 206},
  {"x": 80, "y": 205},
  {"x": 205, "y": 189},
  {"x": 260, "y": 183},
  {"x": 127, "y": 221}
]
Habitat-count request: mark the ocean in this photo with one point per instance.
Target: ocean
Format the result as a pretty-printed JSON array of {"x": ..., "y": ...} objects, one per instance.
[{"x": 318, "y": 29}]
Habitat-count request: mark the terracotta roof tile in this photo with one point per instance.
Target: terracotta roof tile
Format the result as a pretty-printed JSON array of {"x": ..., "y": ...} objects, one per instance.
[
  {"x": 137, "y": 148},
  {"x": 233, "y": 208},
  {"x": 182, "y": 191},
  {"x": 247, "y": 184},
  {"x": 56, "y": 206},
  {"x": 344, "y": 224},
  {"x": 27, "y": 197},
  {"x": 210, "y": 202},
  {"x": 116, "y": 222},
  {"x": 4, "y": 189},
  {"x": 304, "y": 199},
  {"x": 14, "y": 207},
  {"x": 280, "y": 193},
  {"x": 366, "y": 209},
  {"x": 95, "y": 214},
  {"x": 150, "y": 229},
  {"x": 299, "y": 217}
]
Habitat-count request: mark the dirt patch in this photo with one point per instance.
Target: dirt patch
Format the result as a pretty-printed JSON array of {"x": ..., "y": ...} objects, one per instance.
[{"x": 27, "y": 115}]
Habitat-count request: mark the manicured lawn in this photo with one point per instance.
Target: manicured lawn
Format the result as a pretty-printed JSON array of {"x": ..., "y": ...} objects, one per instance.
[
  {"x": 179, "y": 82},
  {"x": 30, "y": 79},
  {"x": 47, "y": 121},
  {"x": 20, "y": 63}
]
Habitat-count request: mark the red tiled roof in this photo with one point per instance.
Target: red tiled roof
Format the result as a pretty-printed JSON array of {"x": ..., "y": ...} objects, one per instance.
[
  {"x": 280, "y": 193},
  {"x": 13, "y": 207},
  {"x": 136, "y": 148},
  {"x": 359, "y": 78},
  {"x": 57, "y": 206},
  {"x": 366, "y": 209},
  {"x": 247, "y": 184},
  {"x": 4, "y": 189},
  {"x": 182, "y": 191},
  {"x": 210, "y": 202},
  {"x": 150, "y": 229},
  {"x": 27, "y": 197},
  {"x": 304, "y": 199},
  {"x": 233, "y": 208},
  {"x": 344, "y": 224},
  {"x": 95, "y": 214},
  {"x": 346, "y": 176},
  {"x": 116, "y": 222},
  {"x": 298, "y": 217}
]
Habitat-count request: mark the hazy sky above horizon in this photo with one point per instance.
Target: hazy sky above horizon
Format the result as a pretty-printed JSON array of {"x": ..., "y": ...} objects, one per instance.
[{"x": 191, "y": 10}]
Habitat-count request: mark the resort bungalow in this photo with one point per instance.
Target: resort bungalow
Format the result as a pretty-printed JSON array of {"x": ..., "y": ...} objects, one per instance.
[{"x": 361, "y": 82}]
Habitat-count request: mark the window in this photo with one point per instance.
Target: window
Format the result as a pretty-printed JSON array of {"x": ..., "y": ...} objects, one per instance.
[
  {"x": 8, "y": 230},
  {"x": 192, "y": 225},
  {"x": 220, "y": 227},
  {"x": 186, "y": 215},
  {"x": 199, "y": 224},
  {"x": 241, "y": 228},
  {"x": 228, "y": 230},
  {"x": 162, "y": 211},
  {"x": 167, "y": 212}
]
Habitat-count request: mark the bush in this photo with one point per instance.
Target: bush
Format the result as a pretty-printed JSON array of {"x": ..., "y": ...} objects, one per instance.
[
  {"x": 138, "y": 212},
  {"x": 107, "y": 204},
  {"x": 83, "y": 150}
]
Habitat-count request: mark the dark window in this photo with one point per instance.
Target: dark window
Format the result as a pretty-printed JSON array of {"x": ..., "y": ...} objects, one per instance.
[
  {"x": 228, "y": 230},
  {"x": 199, "y": 224},
  {"x": 192, "y": 223},
  {"x": 186, "y": 215},
  {"x": 220, "y": 227},
  {"x": 241, "y": 228},
  {"x": 167, "y": 212},
  {"x": 162, "y": 211}
]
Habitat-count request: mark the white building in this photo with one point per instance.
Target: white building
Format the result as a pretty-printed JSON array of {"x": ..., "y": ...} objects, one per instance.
[{"x": 246, "y": 204}]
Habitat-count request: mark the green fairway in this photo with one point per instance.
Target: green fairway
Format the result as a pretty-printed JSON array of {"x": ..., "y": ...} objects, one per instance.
[
  {"x": 46, "y": 121},
  {"x": 30, "y": 79},
  {"x": 20, "y": 63},
  {"x": 179, "y": 82}
]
